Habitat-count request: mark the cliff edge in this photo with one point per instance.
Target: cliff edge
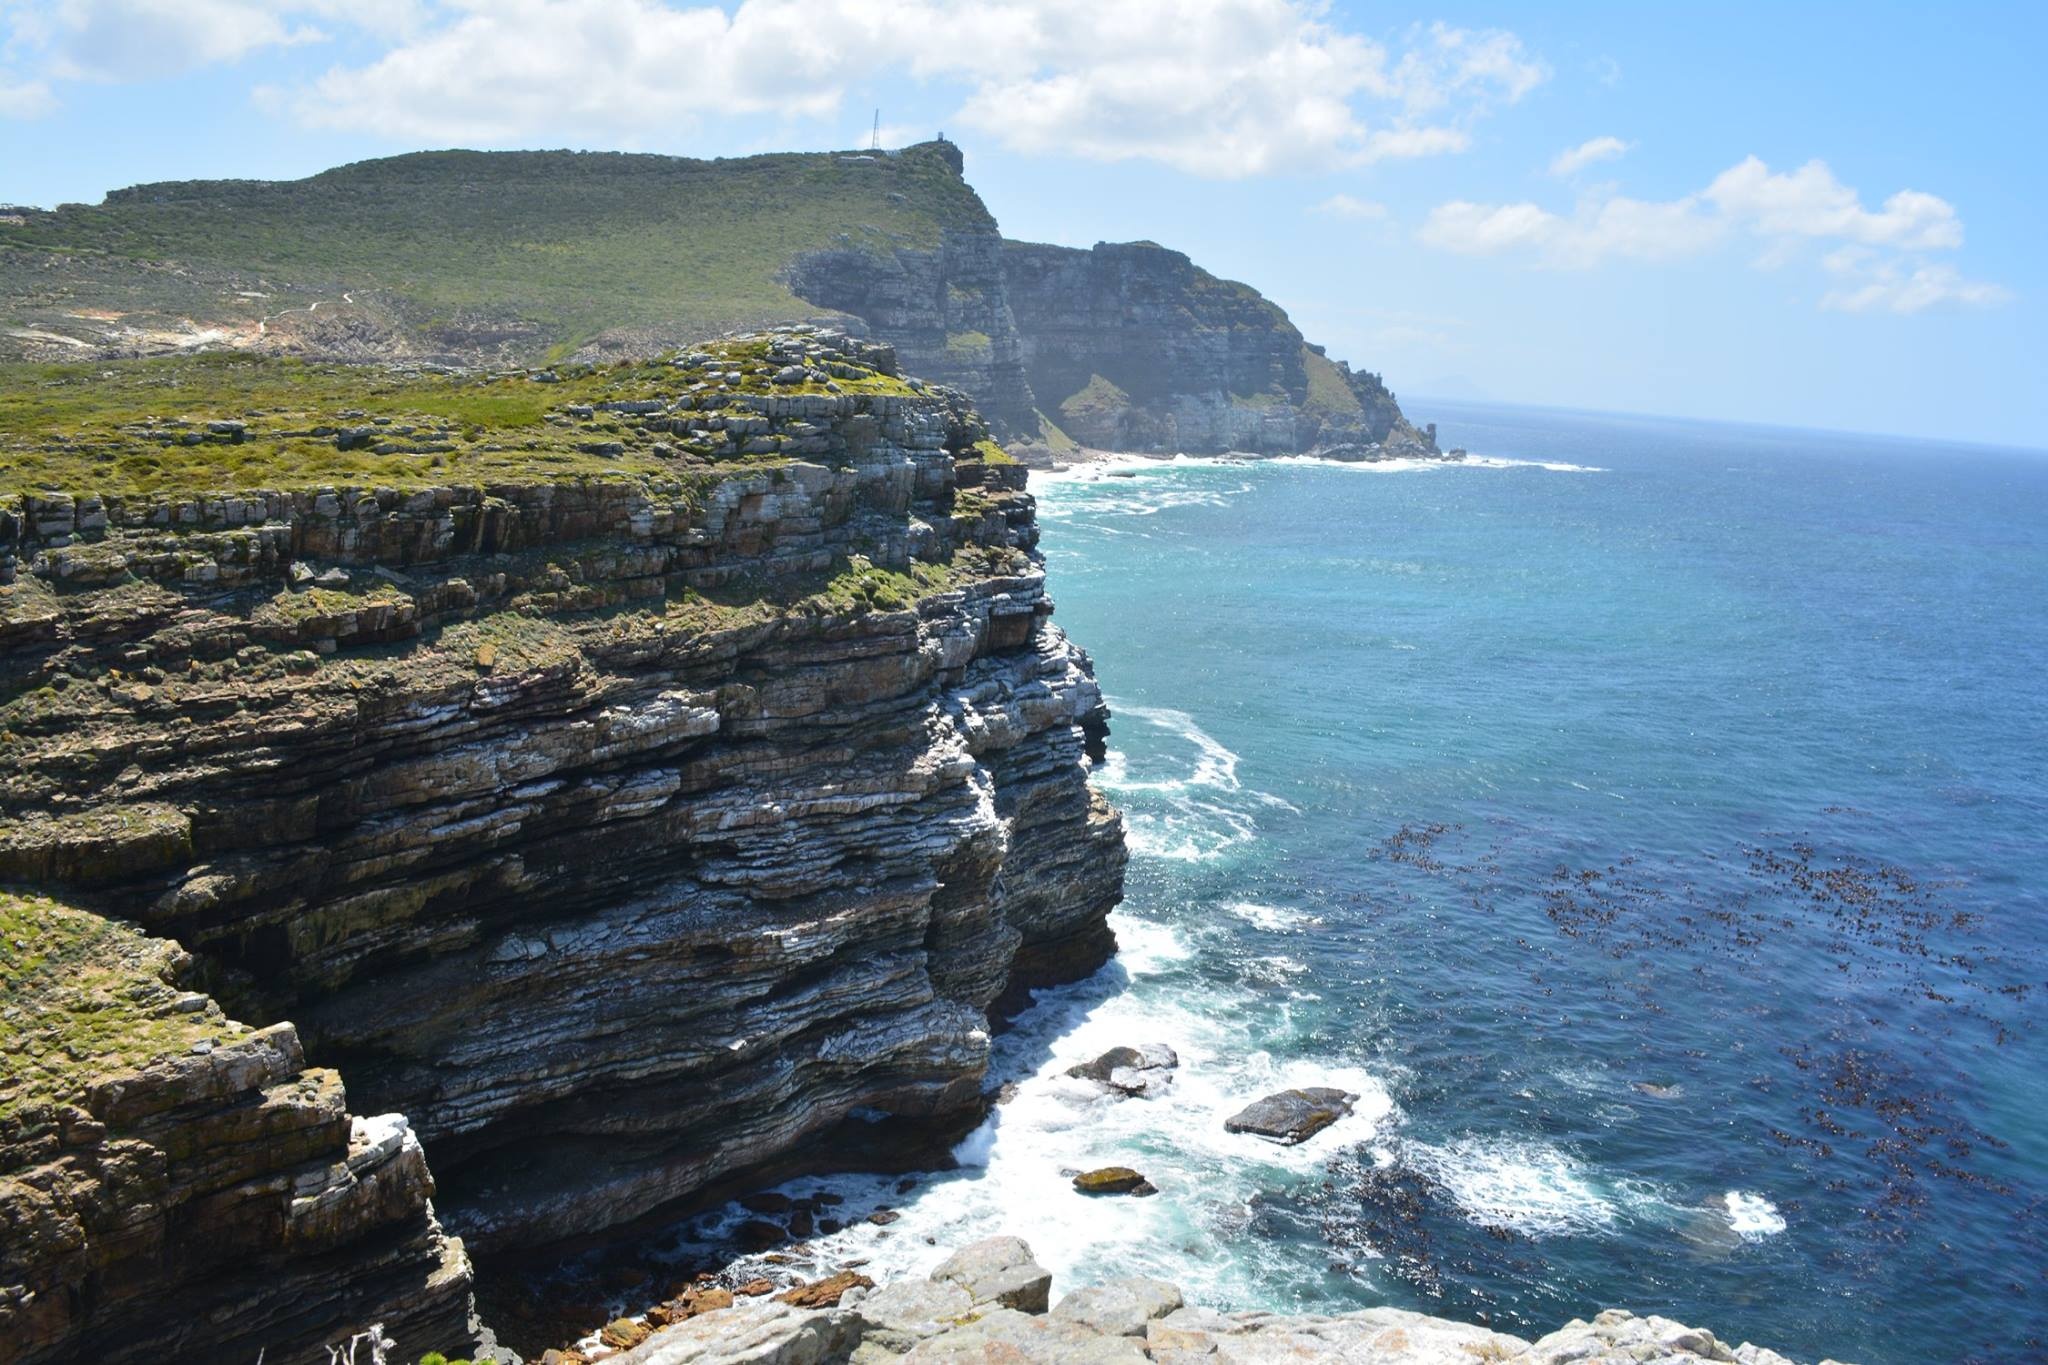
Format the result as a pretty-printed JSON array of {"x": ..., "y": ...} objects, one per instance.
[{"x": 639, "y": 778}]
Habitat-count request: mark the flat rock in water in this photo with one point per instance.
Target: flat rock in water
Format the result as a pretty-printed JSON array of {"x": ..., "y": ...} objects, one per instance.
[
  {"x": 1131, "y": 1070},
  {"x": 1113, "y": 1180},
  {"x": 1292, "y": 1115}
]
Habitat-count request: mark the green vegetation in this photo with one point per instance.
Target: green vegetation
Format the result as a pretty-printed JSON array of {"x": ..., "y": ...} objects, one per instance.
[
  {"x": 520, "y": 250},
  {"x": 84, "y": 997},
  {"x": 1055, "y": 439},
  {"x": 1095, "y": 402},
  {"x": 120, "y": 427},
  {"x": 1328, "y": 395},
  {"x": 967, "y": 345},
  {"x": 989, "y": 452}
]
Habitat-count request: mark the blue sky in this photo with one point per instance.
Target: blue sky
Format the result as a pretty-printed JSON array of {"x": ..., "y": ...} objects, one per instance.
[{"x": 1400, "y": 179}]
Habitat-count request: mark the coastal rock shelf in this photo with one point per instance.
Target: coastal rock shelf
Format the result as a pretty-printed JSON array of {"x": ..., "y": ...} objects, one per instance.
[
  {"x": 662, "y": 795},
  {"x": 980, "y": 1314}
]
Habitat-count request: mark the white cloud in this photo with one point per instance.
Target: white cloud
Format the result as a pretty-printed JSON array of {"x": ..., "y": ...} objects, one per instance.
[
  {"x": 1874, "y": 283},
  {"x": 1880, "y": 261},
  {"x": 1810, "y": 202},
  {"x": 1575, "y": 159},
  {"x": 1219, "y": 87},
  {"x": 25, "y": 99},
  {"x": 134, "y": 40},
  {"x": 1633, "y": 229},
  {"x": 1350, "y": 206}
]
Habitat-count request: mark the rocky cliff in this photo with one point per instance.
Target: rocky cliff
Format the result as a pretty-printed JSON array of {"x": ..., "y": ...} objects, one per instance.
[
  {"x": 1133, "y": 347},
  {"x": 474, "y": 258},
  {"x": 656, "y": 793}
]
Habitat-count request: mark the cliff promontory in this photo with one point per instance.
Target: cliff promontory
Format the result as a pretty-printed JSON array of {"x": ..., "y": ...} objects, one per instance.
[
  {"x": 1135, "y": 347},
  {"x": 518, "y": 258},
  {"x": 628, "y": 781}
]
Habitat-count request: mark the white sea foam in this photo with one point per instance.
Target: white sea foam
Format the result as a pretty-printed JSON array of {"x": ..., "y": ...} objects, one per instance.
[
  {"x": 1188, "y": 831},
  {"x": 1554, "y": 466},
  {"x": 1214, "y": 765},
  {"x": 1015, "y": 1171},
  {"x": 1272, "y": 918},
  {"x": 1518, "y": 1183},
  {"x": 1752, "y": 1216}
]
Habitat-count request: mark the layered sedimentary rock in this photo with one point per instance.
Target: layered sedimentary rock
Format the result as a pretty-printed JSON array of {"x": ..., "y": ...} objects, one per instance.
[
  {"x": 945, "y": 309},
  {"x": 175, "y": 1185},
  {"x": 627, "y": 834},
  {"x": 1132, "y": 346},
  {"x": 989, "y": 1302}
]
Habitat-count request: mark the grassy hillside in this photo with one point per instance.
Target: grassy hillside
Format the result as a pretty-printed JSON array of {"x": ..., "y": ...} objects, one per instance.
[
  {"x": 147, "y": 427},
  {"x": 531, "y": 252}
]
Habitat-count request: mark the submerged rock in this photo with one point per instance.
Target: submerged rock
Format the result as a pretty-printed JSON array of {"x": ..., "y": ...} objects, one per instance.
[
  {"x": 1143, "y": 1070},
  {"x": 1292, "y": 1116}
]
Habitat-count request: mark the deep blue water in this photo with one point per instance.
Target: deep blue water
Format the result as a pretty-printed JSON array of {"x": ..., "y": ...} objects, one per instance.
[
  {"x": 1720, "y": 762},
  {"x": 1657, "y": 844}
]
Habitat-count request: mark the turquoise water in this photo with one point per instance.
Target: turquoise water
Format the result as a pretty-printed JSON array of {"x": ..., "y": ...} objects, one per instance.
[{"x": 1651, "y": 833}]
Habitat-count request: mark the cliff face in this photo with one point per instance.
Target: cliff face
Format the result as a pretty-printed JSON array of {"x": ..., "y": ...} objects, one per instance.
[
  {"x": 1134, "y": 347},
  {"x": 178, "y": 1186},
  {"x": 946, "y": 311},
  {"x": 626, "y": 833}
]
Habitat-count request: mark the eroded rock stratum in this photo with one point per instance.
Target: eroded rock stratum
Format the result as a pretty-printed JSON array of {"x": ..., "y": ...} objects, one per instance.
[{"x": 642, "y": 799}]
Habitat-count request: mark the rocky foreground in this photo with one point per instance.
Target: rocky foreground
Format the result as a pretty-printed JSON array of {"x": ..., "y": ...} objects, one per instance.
[{"x": 991, "y": 1302}]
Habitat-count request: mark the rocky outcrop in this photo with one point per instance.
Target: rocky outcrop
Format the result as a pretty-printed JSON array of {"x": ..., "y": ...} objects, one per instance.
[
  {"x": 1132, "y": 347},
  {"x": 1292, "y": 1116},
  {"x": 178, "y": 1186},
  {"x": 945, "y": 309},
  {"x": 1146, "y": 1320},
  {"x": 631, "y": 835},
  {"x": 1144, "y": 1070}
]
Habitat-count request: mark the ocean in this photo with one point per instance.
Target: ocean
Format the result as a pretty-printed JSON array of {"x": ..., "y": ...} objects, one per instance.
[{"x": 1646, "y": 820}]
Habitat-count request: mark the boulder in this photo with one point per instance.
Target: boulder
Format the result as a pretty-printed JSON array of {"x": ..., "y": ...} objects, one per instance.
[
  {"x": 1292, "y": 1115},
  {"x": 1114, "y": 1180},
  {"x": 898, "y": 1316},
  {"x": 758, "y": 1234},
  {"x": 999, "y": 1270},
  {"x": 760, "y": 1332},
  {"x": 1131, "y": 1070},
  {"x": 827, "y": 1292},
  {"x": 1119, "y": 1308},
  {"x": 624, "y": 1333}
]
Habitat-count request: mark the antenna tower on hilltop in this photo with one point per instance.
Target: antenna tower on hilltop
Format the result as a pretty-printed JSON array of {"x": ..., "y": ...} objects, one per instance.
[{"x": 875, "y": 143}]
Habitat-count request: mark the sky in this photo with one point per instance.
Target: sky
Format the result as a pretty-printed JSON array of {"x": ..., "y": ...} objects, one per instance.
[{"x": 1813, "y": 215}]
